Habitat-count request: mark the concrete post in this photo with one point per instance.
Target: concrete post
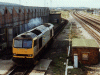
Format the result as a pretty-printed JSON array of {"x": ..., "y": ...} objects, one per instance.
[{"x": 75, "y": 60}]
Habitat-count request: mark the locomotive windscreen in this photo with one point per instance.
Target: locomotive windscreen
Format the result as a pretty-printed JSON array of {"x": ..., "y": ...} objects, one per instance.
[
  {"x": 18, "y": 43},
  {"x": 23, "y": 43},
  {"x": 27, "y": 43}
]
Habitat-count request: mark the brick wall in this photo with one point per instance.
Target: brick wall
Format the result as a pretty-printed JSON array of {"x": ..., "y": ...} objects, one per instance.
[
  {"x": 15, "y": 18},
  {"x": 92, "y": 53},
  {"x": 15, "y": 15},
  {"x": 1, "y": 19},
  {"x": 8, "y": 16},
  {"x": 55, "y": 18}
]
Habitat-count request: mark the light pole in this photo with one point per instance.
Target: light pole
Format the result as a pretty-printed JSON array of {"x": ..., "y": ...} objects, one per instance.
[
  {"x": 20, "y": 2},
  {"x": 51, "y": 3},
  {"x": 44, "y": 3}
]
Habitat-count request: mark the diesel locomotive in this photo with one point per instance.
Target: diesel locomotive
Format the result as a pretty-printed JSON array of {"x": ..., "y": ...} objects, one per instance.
[{"x": 27, "y": 45}]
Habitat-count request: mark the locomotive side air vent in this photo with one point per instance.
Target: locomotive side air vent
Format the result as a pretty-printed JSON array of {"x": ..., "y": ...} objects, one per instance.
[
  {"x": 46, "y": 25},
  {"x": 37, "y": 32}
]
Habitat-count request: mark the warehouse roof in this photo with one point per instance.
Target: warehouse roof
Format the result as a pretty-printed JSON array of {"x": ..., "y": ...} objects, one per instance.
[
  {"x": 84, "y": 43},
  {"x": 10, "y": 9},
  {"x": 17, "y": 9},
  {"x": 22, "y": 9},
  {"x": 30, "y": 9},
  {"x": 26, "y": 9}
]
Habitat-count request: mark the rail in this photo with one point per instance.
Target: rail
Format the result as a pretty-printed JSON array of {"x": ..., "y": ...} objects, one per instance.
[{"x": 86, "y": 27}]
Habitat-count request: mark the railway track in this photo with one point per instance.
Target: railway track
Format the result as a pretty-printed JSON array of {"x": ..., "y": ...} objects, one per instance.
[
  {"x": 92, "y": 18},
  {"x": 20, "y": 70},
  {"x": 89, "y": 21},
  {"x": 86, "y": 27}
]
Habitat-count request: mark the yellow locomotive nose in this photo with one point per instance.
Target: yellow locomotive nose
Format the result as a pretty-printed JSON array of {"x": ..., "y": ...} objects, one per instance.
[
  {"x": 23, "y": 53},
  {"x": 23, "y": 48}
]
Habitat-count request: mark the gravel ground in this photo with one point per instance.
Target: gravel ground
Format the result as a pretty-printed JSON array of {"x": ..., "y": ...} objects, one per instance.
[{"x": 85, "y": 34}]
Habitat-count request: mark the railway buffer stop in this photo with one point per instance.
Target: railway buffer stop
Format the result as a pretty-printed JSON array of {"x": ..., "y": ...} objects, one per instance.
[{"x": 87, "y": 51}]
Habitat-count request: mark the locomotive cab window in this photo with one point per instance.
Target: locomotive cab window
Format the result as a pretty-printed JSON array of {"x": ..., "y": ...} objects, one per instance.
[
  {"x": 22, "y": 43},
  {"x": 40, "y": 42},
  {"x": 18, "y": 43},
  {"x": 35, "y": 42},
  {"x": 27, "y": 43}
]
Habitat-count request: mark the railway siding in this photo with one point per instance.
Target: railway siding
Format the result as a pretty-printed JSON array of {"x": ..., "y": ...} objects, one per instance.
[
  {"x": 89, "y": 21},
  {"x": 87, "y": 28},
  {"x": 88, "y": 70},
  {"x": 94, "y": 17}
]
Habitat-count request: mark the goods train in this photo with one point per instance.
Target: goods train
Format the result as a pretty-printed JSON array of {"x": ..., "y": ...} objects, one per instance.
[{"x": 28, "y": 45}]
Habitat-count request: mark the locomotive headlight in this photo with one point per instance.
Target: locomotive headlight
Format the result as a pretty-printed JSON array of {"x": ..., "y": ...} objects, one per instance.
[
  {"x": 14, "y": 54},
  {"x": 30, "y": 55}
]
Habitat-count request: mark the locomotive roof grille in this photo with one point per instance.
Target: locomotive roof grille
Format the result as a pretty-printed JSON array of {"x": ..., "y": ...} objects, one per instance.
[
  {"x": 25, "y": 36},
  {"x": 37, "y": 32},
  {"x": 46, "y": 25}
]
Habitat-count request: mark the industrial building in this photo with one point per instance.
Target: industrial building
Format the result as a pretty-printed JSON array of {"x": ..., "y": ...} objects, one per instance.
[
  {"x": 55, "y": 18},
  {"x": 87, "y": 51},
  {"x": 14, "y": 20}
]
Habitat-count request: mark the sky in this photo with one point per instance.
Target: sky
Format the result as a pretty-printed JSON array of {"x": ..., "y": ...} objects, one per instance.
[{"x": 57, "y": 3}]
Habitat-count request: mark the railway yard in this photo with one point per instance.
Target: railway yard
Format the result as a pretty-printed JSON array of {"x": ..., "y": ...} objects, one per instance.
[
  {"x": 56, "y": 58},
  {"x": 86, "y": 30}
]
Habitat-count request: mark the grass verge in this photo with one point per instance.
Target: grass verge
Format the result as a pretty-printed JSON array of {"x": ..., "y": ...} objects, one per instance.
[
  {"x": 58, "y": 64},
  {"x": 78, "y": 71}
]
